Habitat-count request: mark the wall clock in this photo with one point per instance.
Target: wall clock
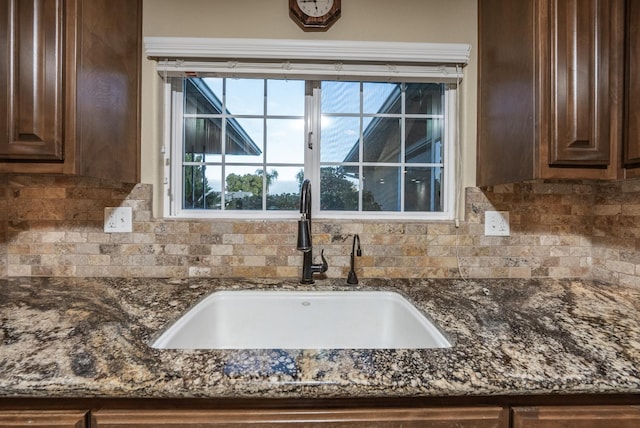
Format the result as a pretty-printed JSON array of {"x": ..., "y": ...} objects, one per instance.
[{"x": 314, "y": 15}]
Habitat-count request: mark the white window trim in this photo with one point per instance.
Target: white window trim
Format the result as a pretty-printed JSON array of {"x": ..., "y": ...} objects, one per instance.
[
  {"x": 184, "y": 56},
  {"x": 307, "y": 50},
  {"x": 246, "y": 57}
]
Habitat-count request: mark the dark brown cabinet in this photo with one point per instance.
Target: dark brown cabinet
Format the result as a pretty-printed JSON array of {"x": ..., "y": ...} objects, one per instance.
[
  {"x": 584, "y": 65},
  {"x": 32, "y": 52},
  {"x": 551, "y": 76},
  {"x": 69, "y": 98},
  {"x": 584, "y": 411},
  {"x": 43, "y": 418},
  {"x": 462, "y": 417},
  {"x": 632, "y": 80},
  {"x": 576, "y": 417}
]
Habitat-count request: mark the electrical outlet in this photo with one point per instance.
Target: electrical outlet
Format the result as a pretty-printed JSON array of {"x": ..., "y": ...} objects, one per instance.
[
  {"x": 496, "y": 223},
  {"x": 118, "y": 219}
]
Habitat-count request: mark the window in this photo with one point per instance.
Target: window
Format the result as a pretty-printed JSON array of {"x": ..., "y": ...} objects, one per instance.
[
  {"x": 381, "y": 146},
  {"x": 377, "y": 141},
  {"x": 242, "y": 144}
]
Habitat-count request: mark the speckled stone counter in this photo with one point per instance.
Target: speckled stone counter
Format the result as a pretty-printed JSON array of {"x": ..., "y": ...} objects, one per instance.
[{"x": 90, "y": 338}]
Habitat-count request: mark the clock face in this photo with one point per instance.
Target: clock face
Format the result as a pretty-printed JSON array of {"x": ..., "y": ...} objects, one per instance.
[{"x": 315, "y": 7}]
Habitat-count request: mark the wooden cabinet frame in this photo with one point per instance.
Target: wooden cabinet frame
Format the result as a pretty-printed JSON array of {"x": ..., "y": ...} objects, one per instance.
[
  {"x": 584, "y": 71},
  {"x": 632, "y": 92},
  {"x": 71, "y": 102},
  {"x": 477, "y": 412},
  {"x": 460, "y": 417},
  {"x": 43, "y": 418},
  {"x": 576, "y": 416},
  {"x": 550, "y": 90},
  {"x": 33, "y": 38}
]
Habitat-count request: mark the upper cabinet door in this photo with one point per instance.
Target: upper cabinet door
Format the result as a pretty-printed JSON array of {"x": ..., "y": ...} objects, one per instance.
[
  {"x": 31, "y": 103},
  {"x": 632, "y": 135},
  {"x": 551, "y": 75},
  {"x": 584, "y": 51}
]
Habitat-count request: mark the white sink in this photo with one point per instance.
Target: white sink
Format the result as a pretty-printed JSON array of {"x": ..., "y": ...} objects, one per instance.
[{"x": 302, "y": 320}]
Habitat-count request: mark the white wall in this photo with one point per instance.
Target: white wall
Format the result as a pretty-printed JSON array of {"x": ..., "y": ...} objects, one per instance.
[{"x": 452, "y": 21}]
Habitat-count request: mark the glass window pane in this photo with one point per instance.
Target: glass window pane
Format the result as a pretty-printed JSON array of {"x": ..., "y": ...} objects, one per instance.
[
  {"x": 339, "y": 188},
  {"x": 215, "y": 85},
  {"x": 340, "y": 97},
  {"x": 339, "y": 139},
  {"x": 202, "y": 136},
  {"x": 245, "y": 140},
  {"x": 424, "y": 140},
  {"x": 381, "y": 98},
  {"x": 201, "y": 98},
  {"x": 201, "y": 187},
  {"x": 424, "y": 98},
  {"x": 283, "y": 187},
  {"x": 382, "y": 140},
  {"x": 423, "y": 189},
  {"x": 245, "y": 96},
  {"x": 285, "y": 97},
  {"x": 243, "y": 190},
  {"x": 285, "y": 141},
  {"x": 264, "y": 145},
  {"x": 381, "y": 191}
]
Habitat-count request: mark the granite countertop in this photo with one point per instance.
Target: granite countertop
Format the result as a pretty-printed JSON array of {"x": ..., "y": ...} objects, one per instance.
[{"x": 89, "y": 338}]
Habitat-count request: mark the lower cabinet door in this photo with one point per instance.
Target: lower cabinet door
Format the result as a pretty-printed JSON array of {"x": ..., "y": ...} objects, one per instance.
[
  {"x": 464, "y": 417},
  {"x": 43, "y": 418},
  {"x": 577, "y": 417}
]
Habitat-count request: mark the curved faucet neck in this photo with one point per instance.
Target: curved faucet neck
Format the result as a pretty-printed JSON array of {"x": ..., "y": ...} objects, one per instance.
[
  {"x": 305, "y": 199},
  {"x": 356, "y": 237}
]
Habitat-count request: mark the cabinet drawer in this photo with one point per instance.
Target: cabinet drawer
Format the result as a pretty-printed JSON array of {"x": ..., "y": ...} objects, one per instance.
[
  {"x": 463, "y": 417},
  {"x": 576, "y": 416},
  {"x": 43, "y": 418}
]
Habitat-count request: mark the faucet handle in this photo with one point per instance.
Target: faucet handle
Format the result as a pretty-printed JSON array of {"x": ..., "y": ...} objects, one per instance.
[
  {"x": 324, "y": 266},
  {"x": 318, "y": 267}
]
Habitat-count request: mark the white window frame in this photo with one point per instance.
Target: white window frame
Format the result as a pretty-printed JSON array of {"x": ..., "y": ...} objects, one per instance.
[{"x": 417, "y": 62}]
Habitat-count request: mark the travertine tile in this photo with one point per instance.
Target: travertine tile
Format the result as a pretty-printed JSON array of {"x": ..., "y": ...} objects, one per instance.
[{"x": 53, "y": 226}]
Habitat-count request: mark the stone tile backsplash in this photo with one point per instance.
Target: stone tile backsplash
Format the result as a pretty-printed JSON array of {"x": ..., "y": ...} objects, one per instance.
[
  {"x": 615, "y": 241},
  {"x": 53, "y": 226}
]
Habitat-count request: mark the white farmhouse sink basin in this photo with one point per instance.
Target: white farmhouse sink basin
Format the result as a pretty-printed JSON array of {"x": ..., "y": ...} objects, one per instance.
[{"x": 302, "y": 320}]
